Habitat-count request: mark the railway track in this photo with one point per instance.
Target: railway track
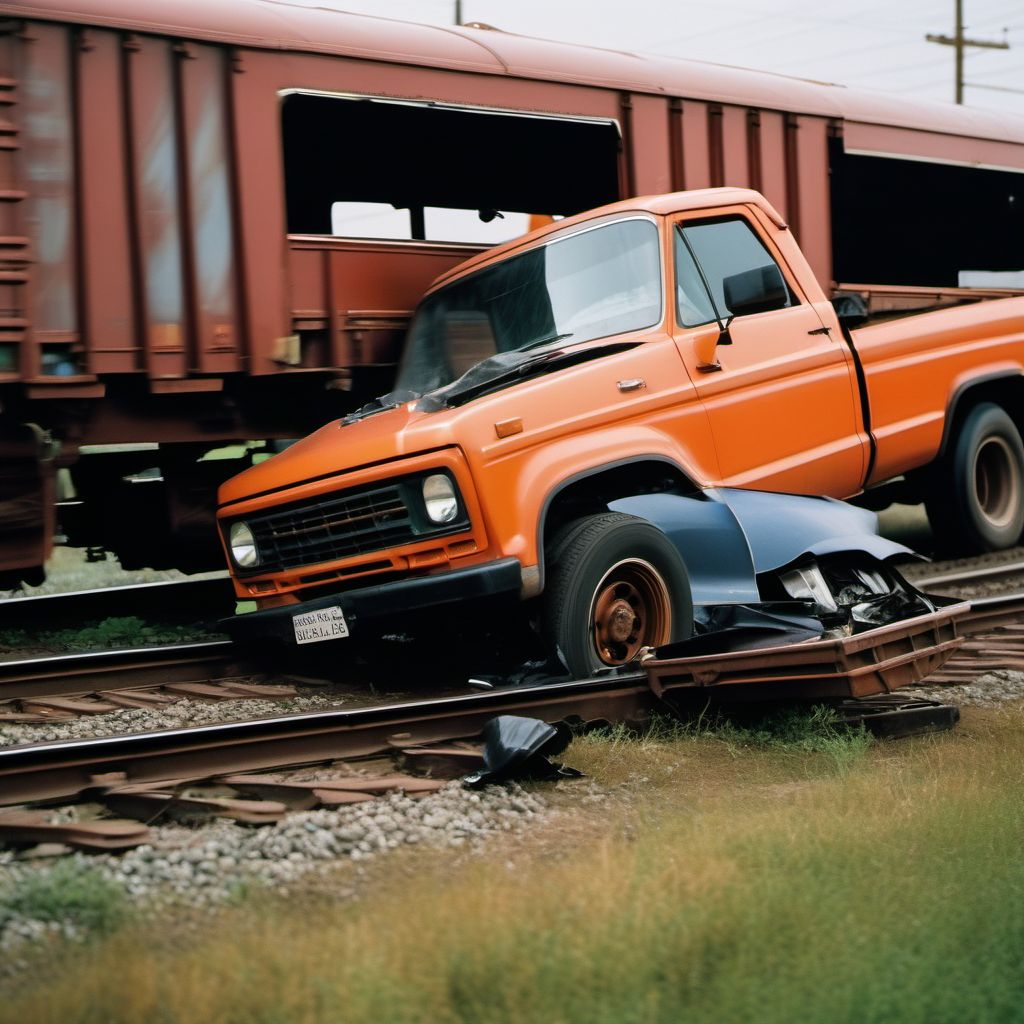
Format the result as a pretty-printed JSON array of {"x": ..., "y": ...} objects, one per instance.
[
  {"x": 37, "y": 690},
  {"x": 193, "y": 600},
  {"x": 951, "y": 577},
  {"x": 89, "y": 672},
  {"x": 995, "y": 612},
  {"x": 61, "y": 771},
  {"x": 143, "y": 766}
]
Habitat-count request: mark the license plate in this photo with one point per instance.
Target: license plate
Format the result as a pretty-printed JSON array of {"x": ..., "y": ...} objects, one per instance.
[{"x": 323, "y": 624}]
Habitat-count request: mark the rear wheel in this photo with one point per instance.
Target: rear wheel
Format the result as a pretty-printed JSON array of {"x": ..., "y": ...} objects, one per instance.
[
  {"x": 976, "y": 499},
  {"x": 615, "y": 584}
]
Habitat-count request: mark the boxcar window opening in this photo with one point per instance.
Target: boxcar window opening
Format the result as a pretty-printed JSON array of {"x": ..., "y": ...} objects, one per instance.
[
  {"x": 363, "y": 168},
  {"x": 931, "y": 224}
]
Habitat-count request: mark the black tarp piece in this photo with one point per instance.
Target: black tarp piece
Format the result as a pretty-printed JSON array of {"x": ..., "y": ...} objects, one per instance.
[{"x": 518, "y": 748}]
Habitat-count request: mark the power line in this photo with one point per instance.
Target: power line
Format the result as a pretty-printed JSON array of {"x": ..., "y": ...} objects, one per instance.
[
  {"x": 900, "y": 69},
  {"x": 993, "y": 88},
  {"x": 960, "y": 42},
  {"x": 831, "y": 55},
  {"x": 780, "y": 16},
  {"x": 997, "y": 18},
  {"x": 995, "y": 73}
]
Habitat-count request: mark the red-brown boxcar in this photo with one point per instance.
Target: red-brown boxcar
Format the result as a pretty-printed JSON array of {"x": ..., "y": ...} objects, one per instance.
[{"x": 217, "y": 215}]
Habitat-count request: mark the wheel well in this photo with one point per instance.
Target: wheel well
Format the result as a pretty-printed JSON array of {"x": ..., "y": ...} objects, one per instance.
[
  {"x": 1005, "y": 391},
  {"x": 590, "y": 493}
]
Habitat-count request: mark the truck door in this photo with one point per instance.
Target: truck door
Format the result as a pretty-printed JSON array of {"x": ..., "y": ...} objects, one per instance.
[{"x": 779, "y": 390}]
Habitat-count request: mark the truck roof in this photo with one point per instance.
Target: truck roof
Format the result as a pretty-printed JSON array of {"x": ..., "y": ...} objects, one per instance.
[
  {"x": 291, "y": 25},
  {"x": 660, "y": 205}
]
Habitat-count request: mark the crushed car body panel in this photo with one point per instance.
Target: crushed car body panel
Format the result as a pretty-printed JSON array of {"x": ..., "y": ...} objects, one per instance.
[{"x": 728, "y": 537}]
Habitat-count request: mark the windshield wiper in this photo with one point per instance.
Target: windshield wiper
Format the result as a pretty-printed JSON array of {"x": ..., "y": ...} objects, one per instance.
[
  {"x": 499, "y": 362},
  {"x": 454, "y": 395},
  {"x": 543, "y": 341},
  {"x": 392, "y": 400}
]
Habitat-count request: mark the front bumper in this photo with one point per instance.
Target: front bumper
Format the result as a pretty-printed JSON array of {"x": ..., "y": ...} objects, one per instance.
[{"x": 385, "y": 601}]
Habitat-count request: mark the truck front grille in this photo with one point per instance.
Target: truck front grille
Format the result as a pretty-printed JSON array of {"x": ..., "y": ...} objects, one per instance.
[{"x": 353, "y": 523}]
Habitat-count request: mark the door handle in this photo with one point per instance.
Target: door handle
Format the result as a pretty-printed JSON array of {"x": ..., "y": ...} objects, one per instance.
[
  {"x": 821, "y": 330},
  {"x": 633, "y": 384}
]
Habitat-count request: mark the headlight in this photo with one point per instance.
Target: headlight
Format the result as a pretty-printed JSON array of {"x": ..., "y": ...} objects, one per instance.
[
  {"x": 243, "y": 546},
  {"x": 439, "y": 498}
]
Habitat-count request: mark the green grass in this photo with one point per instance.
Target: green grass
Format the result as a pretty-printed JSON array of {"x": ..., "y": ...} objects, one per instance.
[
  {"x": 735, "y": 878},
  {"x": 67, "y": 891},
  {"x": 117, "y": 631},
  {"x": 792, "y": 733}
]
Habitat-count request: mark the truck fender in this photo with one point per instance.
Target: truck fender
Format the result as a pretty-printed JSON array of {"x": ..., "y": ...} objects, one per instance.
[
  {"x": 962, "y": 391},
  {"x": 552, "y": 462},
  {"x": 727, "y": 537}
]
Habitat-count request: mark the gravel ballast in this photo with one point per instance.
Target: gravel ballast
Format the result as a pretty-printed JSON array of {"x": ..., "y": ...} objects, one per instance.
[
  {"x": 988, "y": 690},
  {"x": 206, "y": 866},
  {"x": 180, "y": 714}
]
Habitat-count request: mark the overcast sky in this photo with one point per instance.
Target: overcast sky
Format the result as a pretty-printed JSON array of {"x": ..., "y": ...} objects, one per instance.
[{"x": 880, "y": 46}]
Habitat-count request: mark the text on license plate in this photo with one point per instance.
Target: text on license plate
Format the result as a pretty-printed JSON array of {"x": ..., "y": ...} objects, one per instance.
[{"x": 323, "y": 624}]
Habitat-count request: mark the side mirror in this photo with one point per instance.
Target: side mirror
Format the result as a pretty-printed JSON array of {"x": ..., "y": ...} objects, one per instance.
[
  {"x": 851, "y": 309},
  {"x": 755, "y": 291}
]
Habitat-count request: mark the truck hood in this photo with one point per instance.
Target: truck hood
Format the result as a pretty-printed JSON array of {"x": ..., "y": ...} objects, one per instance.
[
  {"x": 429, "y": 422},
  {"x": 339, "y": 447}
]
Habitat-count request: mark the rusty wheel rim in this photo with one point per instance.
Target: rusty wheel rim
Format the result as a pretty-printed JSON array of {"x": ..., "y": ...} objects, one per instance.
[
  {"x": 997, "y": 482},
  {"x": 631, "y": 609}
]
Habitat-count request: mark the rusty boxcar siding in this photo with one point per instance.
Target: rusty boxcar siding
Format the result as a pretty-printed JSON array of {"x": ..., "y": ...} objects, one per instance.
[{"x": 156, "y": 297}]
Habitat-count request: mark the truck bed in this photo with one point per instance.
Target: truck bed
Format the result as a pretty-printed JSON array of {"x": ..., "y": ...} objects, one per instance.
[{"x": 913, "y": 368}]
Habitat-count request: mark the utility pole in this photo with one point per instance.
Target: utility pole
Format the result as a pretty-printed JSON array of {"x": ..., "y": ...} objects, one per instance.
[
  {"x": 961, "y": 43},
  {"x": 458, "y": 12}
]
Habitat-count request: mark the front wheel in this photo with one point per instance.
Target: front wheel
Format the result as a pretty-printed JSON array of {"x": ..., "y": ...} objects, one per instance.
[
  {"x": 615, "y": 584},
  {"x": 976, "y": 501}
]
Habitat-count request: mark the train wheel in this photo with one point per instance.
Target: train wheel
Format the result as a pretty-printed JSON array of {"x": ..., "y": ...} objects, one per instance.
[
  {"x": 976, "y": 501},
  {"x": 615, "y": 584}
]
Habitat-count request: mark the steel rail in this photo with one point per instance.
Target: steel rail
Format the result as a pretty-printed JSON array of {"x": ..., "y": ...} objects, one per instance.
[
  {"x": 194, "y": 600},
  {"x": 66, "y": 675},
  {"x": 63, "y": 770},
  {"x": 988, "y": 613},
  {"x": 971, "y": 575}
]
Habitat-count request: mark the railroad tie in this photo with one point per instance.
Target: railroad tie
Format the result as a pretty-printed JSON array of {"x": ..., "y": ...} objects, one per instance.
[
  {"x": 26, "y": 828},
  {"x": 146, "y": 803}
]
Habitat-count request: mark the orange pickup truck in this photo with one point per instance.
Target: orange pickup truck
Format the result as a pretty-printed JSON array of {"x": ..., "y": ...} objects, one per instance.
[{"x": 588, "y": 416}]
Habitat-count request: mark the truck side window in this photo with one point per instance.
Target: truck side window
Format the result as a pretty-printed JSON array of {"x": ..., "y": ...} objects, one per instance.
[
  {"x": 693, "y": 304},
  {"x": 729, "y": 249}
]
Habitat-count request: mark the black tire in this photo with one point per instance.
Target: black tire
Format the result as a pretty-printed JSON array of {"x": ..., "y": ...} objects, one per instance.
[
  {"x": 614, "y": 584},
  {"x": 975, "y": 502}
]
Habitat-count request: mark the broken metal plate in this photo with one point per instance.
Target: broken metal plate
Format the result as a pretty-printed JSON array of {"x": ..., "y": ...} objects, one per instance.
[
  {"x": 875, "y": 661},
  {"x": 892, "y": 715}
]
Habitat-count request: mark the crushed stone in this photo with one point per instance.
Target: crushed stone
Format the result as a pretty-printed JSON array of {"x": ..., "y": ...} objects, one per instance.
[
  {"x": 988, "y": 690},
  {"x": 179, "y": 715},
  {"x": 210, "y": 865}
]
